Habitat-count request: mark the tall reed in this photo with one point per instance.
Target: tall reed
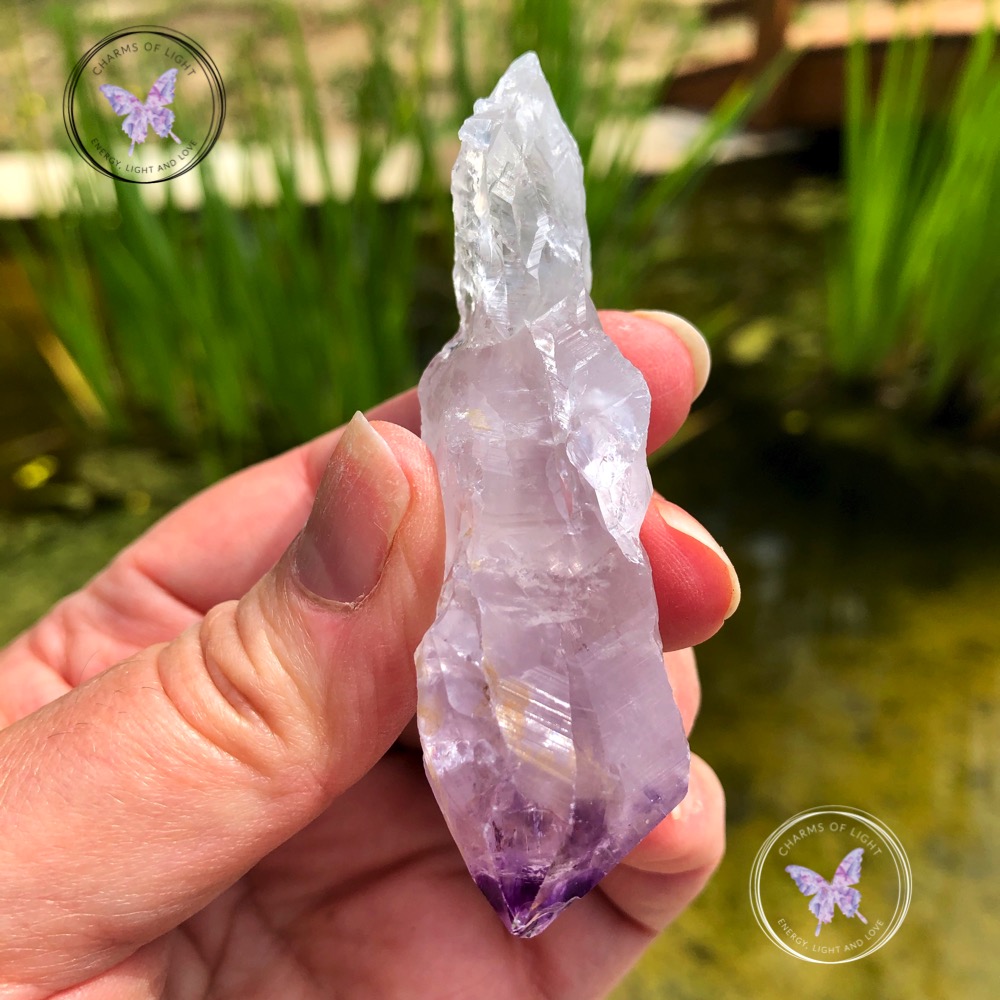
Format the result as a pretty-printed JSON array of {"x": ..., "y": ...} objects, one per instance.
[
  {"x": 914, "y": 292},
  {"x": 240, "y": 330}
]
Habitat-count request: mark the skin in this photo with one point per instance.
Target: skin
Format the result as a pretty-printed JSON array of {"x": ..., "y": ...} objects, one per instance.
[{"x": 209, "y": 781}]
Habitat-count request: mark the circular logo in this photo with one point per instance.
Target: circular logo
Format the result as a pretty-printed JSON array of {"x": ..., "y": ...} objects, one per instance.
[
  {"x": 831, "y": 885},
  {"x": 145, "y": 104}
]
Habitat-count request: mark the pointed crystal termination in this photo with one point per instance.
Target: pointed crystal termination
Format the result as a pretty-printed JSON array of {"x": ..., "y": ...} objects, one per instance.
[{"x": 550, "y": 733}]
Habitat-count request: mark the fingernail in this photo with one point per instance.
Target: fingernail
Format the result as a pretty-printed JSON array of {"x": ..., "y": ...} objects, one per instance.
[
  {"x": 681, "y": 521},
  {"x": 342, "y": 550},
  {"x": 697, "y": 346}
]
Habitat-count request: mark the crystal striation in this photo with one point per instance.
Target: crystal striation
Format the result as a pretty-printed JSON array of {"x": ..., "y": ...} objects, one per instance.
[{"x": 551, "y": 737}]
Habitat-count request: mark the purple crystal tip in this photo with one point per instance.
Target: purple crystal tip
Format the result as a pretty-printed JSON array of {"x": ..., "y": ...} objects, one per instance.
[
  {"x": 551, "y": 737},
  {"x": 522, "y": 906}
]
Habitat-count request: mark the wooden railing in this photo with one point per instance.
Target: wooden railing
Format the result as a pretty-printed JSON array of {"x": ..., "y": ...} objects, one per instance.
[
  {"x": 812, "y": 92},
  {"x": 772, "y": 18}
]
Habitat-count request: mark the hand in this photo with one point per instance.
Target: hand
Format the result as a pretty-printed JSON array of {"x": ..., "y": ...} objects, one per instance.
[{"x": 203, "y": 790}]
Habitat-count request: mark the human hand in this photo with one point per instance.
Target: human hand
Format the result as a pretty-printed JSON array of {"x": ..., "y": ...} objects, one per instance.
[{"x": 206, "y": 789}]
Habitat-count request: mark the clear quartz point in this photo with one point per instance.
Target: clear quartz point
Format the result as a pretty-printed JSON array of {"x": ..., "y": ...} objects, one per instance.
[{"x": 551, "y": 737}]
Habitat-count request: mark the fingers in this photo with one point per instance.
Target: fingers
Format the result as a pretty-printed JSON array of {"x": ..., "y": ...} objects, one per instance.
[
  {"x": 697, "y": 588},
  {"x": 653, "y": 343},
  {"x": 682, "y": 672},
  {"x": 139, "y": 796},
  {"x": 596, "y": 940},
  {"x": 692, "y": 837},
  {"x": 661, "y": 877},
  {"x": 215, "y": 547},
  {"x": 697, "y": 346}
]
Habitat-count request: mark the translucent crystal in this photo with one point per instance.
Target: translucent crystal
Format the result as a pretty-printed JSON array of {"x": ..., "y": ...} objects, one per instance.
[{"x": 550, "y": 733}]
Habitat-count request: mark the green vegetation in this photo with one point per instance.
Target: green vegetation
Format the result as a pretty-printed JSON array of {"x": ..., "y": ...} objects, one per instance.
[
  {"x": 233, "y": 330},
  {"x": 241, "y": 330},
  {"x": 914, "y": 295}
]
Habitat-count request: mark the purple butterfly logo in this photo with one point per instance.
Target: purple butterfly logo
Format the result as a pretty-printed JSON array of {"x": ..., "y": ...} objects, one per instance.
[
  {"x": 826, "y": 894},
  {"x": 141, "y": 116}
]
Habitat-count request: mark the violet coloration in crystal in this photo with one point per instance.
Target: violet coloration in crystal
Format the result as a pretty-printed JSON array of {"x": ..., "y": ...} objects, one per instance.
[{"x": 551, "y": 737}]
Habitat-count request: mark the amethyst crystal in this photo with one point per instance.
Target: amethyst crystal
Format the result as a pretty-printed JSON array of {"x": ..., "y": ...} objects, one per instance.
[{"x": 550, "y": 733}]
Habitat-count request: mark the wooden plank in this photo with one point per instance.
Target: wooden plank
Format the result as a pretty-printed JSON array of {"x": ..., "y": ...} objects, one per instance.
[
  {"x": 812, "y": 94},
  {"x": 773, "y": 18}
]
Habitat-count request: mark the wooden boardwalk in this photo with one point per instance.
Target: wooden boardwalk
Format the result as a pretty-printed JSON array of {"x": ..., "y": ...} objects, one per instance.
[{"x": 746, "y": 34}]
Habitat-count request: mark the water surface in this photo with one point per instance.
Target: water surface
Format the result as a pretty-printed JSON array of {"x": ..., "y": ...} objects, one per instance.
[{"x": 862, "y": 668}]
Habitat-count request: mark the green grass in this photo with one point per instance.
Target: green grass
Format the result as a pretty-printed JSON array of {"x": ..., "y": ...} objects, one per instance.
[
  {"x": 914, "y": 296},
  {"x": 238, "y": 331}
]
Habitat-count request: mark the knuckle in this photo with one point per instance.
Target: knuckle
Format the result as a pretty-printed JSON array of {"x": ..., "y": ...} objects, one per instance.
[{"x": 232, "y": 687}]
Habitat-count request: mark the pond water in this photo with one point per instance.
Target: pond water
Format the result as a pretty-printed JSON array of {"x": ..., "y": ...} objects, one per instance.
[
  {"x": 863, "y": 665},
  {"x": 862, "y": 668}
]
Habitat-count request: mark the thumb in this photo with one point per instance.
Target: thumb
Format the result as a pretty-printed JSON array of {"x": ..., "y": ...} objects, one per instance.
[{"x": 135, "y": 799}]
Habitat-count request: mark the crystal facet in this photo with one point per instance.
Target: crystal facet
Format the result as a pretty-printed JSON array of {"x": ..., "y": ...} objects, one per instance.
[{"x": 550, "y": 733}]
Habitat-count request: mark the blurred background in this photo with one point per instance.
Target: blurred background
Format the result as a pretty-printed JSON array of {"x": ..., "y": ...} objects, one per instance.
[{"x": 815, "y": 184}]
